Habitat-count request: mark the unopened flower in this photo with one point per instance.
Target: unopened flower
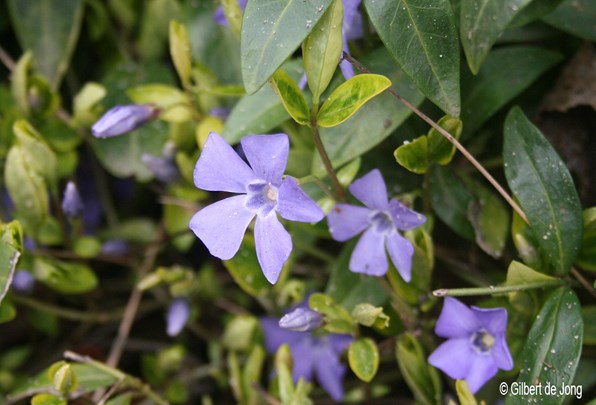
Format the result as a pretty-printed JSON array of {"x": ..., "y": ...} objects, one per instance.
[
  {"x": 381, "y": 220},
  {"x": 177, "y": 317},
  {"x": 122, "y": 119},
  {"x": 476, "y": 348},
  {"x": 23, "y": 282},
  {"x": 301, "y": 319},
  {"x": 312, "y": 355},
  {"x": 72, "y": 204},
  {"x": 262, "y": 193}
]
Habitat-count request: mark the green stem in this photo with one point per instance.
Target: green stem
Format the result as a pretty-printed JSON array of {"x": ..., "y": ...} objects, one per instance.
[
  {"x": 340, "y": 194},
  {"x": 463, "y": 292},
  {"x": 119, "y": 375}
]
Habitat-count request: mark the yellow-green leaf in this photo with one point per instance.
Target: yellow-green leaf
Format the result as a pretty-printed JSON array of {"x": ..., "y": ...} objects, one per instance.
[
  {"x": 180, "y": 52},
  {"x": 363, "y": 357},
  {"x": 291, "y": 97},
  {"x": 413, "y": 155}
]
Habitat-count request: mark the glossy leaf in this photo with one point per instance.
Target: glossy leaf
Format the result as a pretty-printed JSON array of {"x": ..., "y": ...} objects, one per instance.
[
  {"x": 545, "y": 190},
  {"x": 291, "y": 97},
  {"x": 575, "y": 17},
  {"x": 440, "y": 150},
  {"x": 422, "y": 379},
  {"x": 363, "y": 357},
  {"x": 413, "y": 155},
  {"x": 552, "y": 349},
  {"x": 349, "y": 97},
  {"x": 180, "y": 52},
  {"x": 518, "y": 274},
  {"x": 271, "y": 31},
  {"x": 246, "y": 271},
  {"x": 11, "y": 247},
  {"x": 322, "y": 49},
  {"x": 50, "y": 28},
  {"x": 423, "y": 40},
  {"x": 481, "y": 23},
  {"x": 587, "y": 254},
  {"x": 505, "y": 73}
]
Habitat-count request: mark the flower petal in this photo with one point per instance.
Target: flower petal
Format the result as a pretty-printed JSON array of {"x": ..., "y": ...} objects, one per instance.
[
  {"x": 403, "y": 217},
  {"x": 303, "y": 358},
  {"x": 339, "y": 342},
  {"x": 454, "y": 357},
  {"x": 273, "y": 244},
  {"x": 267, "y": 155},
  {"x": 401, "y": 250},
  {"x": 221, "y": 226},
  {"x": 276, "y": 336},
  {"x": 456, "y": 320},
  {"x": 494, "y": 320},
  {"x": 219, "y": 168},
  {"x": 369, "y": 255},
  {"x": 178, "y": 314},
  {"x": 122, "y": 119},
  {"x": 294, "y": 204},
  {"x": 346, "y": 221},
  {"x": 352, "y": 22},
  {"x": 501, "y": 353},
  {"x": 371, "y": 190},
  {"x": 330, "y": 372},
  {"x": 483, "y": 369},
  {"x": 346, "y": 67}
]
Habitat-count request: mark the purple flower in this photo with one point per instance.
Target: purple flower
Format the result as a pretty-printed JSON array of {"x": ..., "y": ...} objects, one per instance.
[
  {"x": 122, "y": 119},
  {"x": 318, "y": 355},
  {"x": 476, "y": 348},
  {"x": 72, "y": 204},
  {"x": 178, "y": 314},
  {"x": 382, "y": 219},
  {"x": 23, "y": 282},
  {"x": 220, "y": 18},
  {"x": 301, "y": 319},
  {"x": 164, "y": 169},
  {"x": 114, "y": 247},
  {"x": 262, "y": 193},
  {"x": 351, "y": 29}
]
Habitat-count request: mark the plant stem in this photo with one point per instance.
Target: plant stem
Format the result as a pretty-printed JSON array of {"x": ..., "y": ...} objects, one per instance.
[
  {"x": 340, "y": 194},
  {"x": 463, "y": 292},
  {"x": 585, "y": 283},
  {"x": 453, "y": 141}
]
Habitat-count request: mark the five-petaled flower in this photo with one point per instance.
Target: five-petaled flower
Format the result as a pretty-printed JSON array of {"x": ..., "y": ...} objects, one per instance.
[
  {"x": 262, "y": 193},
  {"x": 476, "y": 348},
  {"x": 318, "y": 355},
  {"x": 122, "y": 119},
  {"x": 382, "y": 220}
]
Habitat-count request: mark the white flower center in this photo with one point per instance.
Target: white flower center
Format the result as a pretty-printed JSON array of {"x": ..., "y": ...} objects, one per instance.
[
  {"x": 261, "y": 198},
  {"x": 482, "y": 341}
]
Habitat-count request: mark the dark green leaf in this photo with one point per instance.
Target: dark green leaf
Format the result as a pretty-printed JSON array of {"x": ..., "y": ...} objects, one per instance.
[
  {"x": 246, "y": 271},
  {"x": 542, "y": 184},
  {"x": 481, "y": 23},
  {"x": 533, "y": 11},
  {"x": 589, "y": 317},
  {"x": 552, "y": 349},
  {"x": 506, "y": 72},
  {"x": 271, "y": 31},
  {"x": 576, "y": 17},
  {"x": 50, "y": 28},
  {"x": 291, "y": 97},
  {"x": 587, "y": 254},
  {"x": 422, "y": 38},
  {"x": 11, "y": 247},
  {"x": 363, "y": 357}
]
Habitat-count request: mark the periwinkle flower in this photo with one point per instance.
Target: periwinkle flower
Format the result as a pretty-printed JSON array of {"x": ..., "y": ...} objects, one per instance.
[
  {"x": 476, "y": 348},
  {"x": 177, "y": 316},
  {"x": 312, "y": 355},
  {"x": 163, "y": 168},
  {"x": 72, "y": 204},
  {"x": 381, "y": 220},
  {"x": 262, "y": 193},
  {"x": 301, "y": 319},
  {"x": 23, "y": 282},
  {"x": 122, "y": 119}
]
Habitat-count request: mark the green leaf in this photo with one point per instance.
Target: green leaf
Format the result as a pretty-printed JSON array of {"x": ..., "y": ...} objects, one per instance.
[
  {"x": 423, "y": 40},
  {"x": 589, "y": 317},
  {"x": 550, "y": 356},
  {"x": 7, "y": 311},
  {"x": 518, "y": 274},
  {"x": 50, "y": 28},
  {"x": 349, "y": 97},
  {"x": 322, "y": 49},
  {"x": 291, "y": 97},
  {"x": 575, "y": 17},
  {"x": 464, "y": 394},
  {"x": 587, "y": 254},
  {"x": 180, "y": 52},
  {"x": 374, "y": 122},
  {"x": 506, "y": 72},
  {"x": 19, "y": 83},
  {"x": 440, "y": 150},
  {"x": 533, "y": 11},
  {"x": 38, "y": 155},
  {"x": 65, "y": 277},
  {"x": 337, "y": 319},
  {"x": 542, "y": 184},
  {"x": 413, "y": 155},
  {"x": 369, "y": 315},
  {"x": 271, "y": 31},
  {"x": 47, "y": 399},
  {"x": 173, "y": 101},
  {"x": 246, "y": 271},
  {"x": 11, "y": 247},
  {"x": 363, "y": 357},
  {"x": 450, "y": 200},
  {"x": 422, "y": 379},
  {"x": 481, "y": 23}
]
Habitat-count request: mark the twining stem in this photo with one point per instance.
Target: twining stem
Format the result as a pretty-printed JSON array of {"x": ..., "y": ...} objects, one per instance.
[
  {"x": 119, "y": 375},
  {"x": 462, "y": 292},
  {"x": 451, "y": 139},
  {"x": 340, "y": 194}
]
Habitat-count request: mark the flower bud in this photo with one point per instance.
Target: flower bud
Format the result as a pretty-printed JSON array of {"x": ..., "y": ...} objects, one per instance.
[
  {"x": 72, "y": 205},
  {"x": 178, "y": 314},
  {"x": 23, "y": 282},
  {"x": 301, "y": 320},
  {"x": 122, "y": 119}
]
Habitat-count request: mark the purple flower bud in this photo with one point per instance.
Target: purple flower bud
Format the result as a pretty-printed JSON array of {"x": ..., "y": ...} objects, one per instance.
[
  {"x": 122, "y": 119},
  {"x": 178, "y": 314},
  {"x": 301, "y": 320},
  {"x": 114, "y": 247},
  {"x": 23, "y": 282},
  {"x": 72, "y": 205}
]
